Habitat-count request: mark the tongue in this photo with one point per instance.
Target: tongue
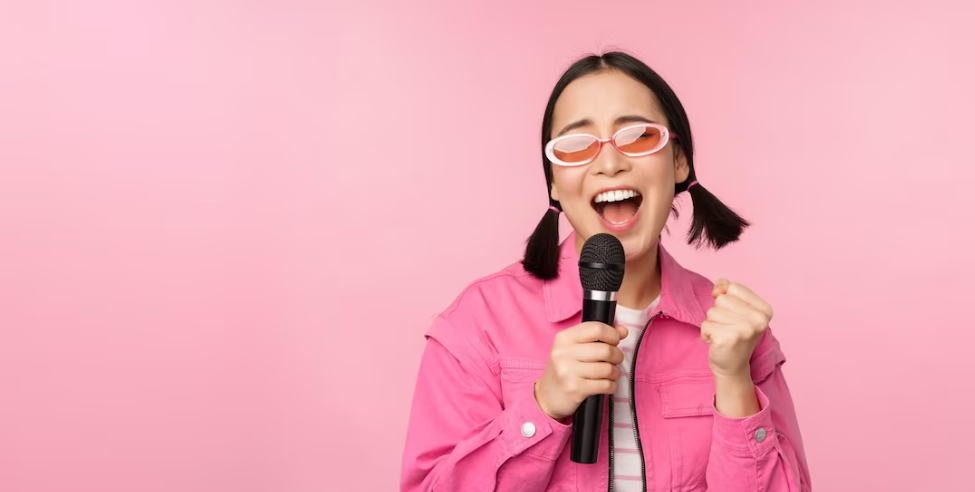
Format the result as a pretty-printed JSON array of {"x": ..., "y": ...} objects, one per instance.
[{"x": 619, "y": 212}]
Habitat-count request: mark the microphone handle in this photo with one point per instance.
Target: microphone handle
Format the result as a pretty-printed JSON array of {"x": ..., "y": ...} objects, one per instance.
[{"x": 587, "y": 422}]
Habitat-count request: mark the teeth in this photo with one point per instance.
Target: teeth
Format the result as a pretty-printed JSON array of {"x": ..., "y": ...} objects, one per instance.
[{"x": 615, "y": 196}]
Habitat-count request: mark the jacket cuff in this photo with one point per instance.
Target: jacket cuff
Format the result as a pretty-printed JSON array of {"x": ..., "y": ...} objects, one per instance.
[
  {"x": 750, "y": 436},
  {"x": 525, "y": 427}
]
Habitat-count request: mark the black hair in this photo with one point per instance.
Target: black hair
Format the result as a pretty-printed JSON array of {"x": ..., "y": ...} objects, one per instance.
[{"x": 713, "y": 223}]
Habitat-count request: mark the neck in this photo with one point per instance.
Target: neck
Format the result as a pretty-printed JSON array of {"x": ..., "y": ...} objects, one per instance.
[{"x": 641, "y": 282}]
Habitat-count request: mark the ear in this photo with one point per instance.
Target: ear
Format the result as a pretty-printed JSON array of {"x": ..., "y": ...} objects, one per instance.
[
  {"x": 681, "y": 169},
  {"x": 554, "y": 193}
]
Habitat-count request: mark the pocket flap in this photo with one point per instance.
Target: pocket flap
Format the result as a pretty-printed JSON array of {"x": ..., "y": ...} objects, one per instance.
[{"x": 521, "y": 370}]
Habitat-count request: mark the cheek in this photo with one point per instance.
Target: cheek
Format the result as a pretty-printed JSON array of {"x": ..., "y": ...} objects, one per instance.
[
  {"x": 569, "y": 182},
  {"x": 661, "y": 167},
  {"x": 656, "y": 172},
  {"x": 660, "y": 183},
  {"x": 660, "y": 207}
]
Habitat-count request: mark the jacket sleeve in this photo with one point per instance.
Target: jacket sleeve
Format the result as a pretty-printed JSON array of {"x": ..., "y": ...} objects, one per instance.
[
  {"x": 763, "y": 452},
  {"x": 462, "y": 435}
]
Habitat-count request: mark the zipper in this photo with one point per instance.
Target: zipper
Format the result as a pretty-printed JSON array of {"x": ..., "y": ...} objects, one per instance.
[{"x": 636, "y": 428}]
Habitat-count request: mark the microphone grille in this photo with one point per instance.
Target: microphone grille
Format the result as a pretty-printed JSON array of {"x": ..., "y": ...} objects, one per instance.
[{"x": 601, "y": 263}]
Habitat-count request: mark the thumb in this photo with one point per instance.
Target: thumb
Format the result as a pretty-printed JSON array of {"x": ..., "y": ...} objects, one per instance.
[{"x": 720, "y": 287}]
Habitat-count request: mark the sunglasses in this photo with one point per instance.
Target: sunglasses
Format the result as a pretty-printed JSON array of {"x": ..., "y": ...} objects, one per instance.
[{"x": 633, "y": 141}]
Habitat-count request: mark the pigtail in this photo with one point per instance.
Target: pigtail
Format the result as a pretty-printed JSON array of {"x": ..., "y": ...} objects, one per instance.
[
  {"x": 542, "y": 251},
  {"x": 713, "y": 222}
]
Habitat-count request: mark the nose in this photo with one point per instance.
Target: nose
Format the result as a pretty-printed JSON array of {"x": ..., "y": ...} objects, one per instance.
[{"x": 610, "y": 162}]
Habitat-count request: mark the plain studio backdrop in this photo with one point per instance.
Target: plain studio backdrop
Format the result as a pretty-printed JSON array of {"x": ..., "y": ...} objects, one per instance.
[{"x": 225, "y": 226}]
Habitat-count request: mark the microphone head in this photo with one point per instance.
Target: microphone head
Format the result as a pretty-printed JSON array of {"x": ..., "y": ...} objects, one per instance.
[{"x": 601, "y": 263}]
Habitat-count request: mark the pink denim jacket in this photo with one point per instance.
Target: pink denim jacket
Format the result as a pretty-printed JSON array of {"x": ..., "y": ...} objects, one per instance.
[{"x": 475, "y": 425}]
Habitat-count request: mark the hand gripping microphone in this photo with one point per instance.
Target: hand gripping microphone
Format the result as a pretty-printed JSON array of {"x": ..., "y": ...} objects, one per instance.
[{"x": 601, "y": 265}]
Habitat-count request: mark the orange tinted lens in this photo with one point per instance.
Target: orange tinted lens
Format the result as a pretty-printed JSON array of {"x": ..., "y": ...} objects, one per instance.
[
  {"x": 576, "y": 149},
  {"x": 639, "y": 140}
]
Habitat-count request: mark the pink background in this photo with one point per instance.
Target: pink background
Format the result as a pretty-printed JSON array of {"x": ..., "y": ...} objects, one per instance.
[{"x": 224, "y": 226}]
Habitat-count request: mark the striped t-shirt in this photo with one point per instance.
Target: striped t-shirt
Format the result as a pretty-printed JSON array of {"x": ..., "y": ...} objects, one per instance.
[{"x": 627, "y": 469}]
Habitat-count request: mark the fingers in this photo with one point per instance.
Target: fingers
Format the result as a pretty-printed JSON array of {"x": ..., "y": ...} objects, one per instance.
[
  {"x": 598, "y": 370},
  {"x": 741, "y": 293},
  {"x": 597, "y": 352},
  {"x": 720, "y": 333},
  {"x": 591, "y": 379},
  {"x": 724, "y": 316},
  {"x": 733, "y": 310},
  {"x": 708, "y": 329},
  {"x": 594, "y": 331},
  {"x": 746, "y": 294},
  {"x": 723, "y": 334},
  {"x": 598, "y": 386},
  {"x": 720, "y": 287},
  {"x": 730, "y": 310},
  {"x": 583, "y": 362},
  {"x": 623, "y": 331},
  {"x": 730, "y": 303}
]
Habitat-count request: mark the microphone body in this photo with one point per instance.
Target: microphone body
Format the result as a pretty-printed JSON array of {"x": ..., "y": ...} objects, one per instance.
[
  {"x": 601, "y": 266},
  {"x": 588, "y": 419}
]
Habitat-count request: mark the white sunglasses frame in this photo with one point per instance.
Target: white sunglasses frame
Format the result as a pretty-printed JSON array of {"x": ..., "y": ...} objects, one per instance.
[{"x": 665, "y": 136}]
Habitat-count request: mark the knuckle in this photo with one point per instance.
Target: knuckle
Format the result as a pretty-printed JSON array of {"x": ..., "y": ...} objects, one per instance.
[
  {"x": 595, "y": 329},
  {"x": 571, "y": 386}
]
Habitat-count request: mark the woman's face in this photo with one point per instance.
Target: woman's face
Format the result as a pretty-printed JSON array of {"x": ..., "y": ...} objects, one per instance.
[{"x": 600, "y": 104}]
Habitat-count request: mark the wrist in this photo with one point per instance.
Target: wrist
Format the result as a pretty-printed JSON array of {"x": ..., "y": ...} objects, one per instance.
[
  {"x": 541, "y": 405},
  {"x": 741, "y": 377},
  {"x": 734, "y": 395}
]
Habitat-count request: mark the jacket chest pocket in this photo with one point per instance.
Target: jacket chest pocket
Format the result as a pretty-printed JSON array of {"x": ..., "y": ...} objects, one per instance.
[
  {"x": 687, "y": 407},
  {"x": 518, "y": 377}
]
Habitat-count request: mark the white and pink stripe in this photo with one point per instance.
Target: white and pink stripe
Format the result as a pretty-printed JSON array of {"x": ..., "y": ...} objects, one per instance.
[{"x": 627, "y": 469}]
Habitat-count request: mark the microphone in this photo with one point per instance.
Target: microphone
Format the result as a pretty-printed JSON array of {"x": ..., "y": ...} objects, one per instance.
[{"x": 601, "y": 265}]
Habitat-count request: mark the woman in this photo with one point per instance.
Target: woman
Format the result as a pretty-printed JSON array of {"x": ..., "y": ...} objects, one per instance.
[{"x": 697, "y": 399}]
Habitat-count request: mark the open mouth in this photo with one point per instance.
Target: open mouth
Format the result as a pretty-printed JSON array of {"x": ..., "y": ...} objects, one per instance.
[{"x": 617, "y": 207}]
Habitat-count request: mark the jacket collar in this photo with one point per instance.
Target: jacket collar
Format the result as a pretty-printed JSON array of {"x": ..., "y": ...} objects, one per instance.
[{"x": 563, "y": 295}]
